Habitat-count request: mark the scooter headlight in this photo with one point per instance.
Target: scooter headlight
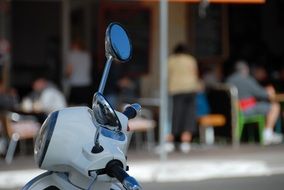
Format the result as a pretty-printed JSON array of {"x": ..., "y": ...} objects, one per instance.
[{"x": 43, "y": 138}]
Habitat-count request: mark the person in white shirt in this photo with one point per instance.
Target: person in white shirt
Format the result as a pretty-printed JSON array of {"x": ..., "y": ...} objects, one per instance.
[
  {"x": 46, "y": 97},
  {"x": 78, "y": 72}
]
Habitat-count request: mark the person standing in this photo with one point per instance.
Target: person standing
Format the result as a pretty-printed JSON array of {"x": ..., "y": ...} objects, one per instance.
[
  {"x": 183, "y": 84},
  {"x": 78, "y": 72}
]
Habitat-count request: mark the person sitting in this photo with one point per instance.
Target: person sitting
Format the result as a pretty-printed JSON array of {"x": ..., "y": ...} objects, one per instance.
[
  {"x": 255, "y": 99},
  {"x": 45, "y": 97}
]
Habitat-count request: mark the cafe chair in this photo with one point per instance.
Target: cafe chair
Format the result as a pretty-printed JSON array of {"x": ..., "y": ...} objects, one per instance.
[
  {"x": 206, "y": 127},
  {"x": 17, "y": 130},
  {"x": 206, "y": 120},
  {"x": 143, "y": 123},
  {"x": 244, "y": 120}
]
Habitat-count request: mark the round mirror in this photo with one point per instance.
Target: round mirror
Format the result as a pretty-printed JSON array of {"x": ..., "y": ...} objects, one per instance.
[
  {"x": 104, "y": 113},
  {"x": 117, "y": 43}
]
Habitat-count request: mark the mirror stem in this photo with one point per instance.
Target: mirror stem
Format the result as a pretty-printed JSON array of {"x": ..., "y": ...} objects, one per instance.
[
  {"x": 97, "y": 135},
  {"x": 105, "y": 74},
  {"x": 97, "y": 148}
]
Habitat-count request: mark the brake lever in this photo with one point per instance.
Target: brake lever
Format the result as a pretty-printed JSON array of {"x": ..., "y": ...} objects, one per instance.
[{"x": 92, "y": 183}]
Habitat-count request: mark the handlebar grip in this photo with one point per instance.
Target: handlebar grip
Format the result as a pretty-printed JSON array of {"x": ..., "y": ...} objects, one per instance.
[
  {"x": 114, "y": 169},
  {"x": 131, "y": 111}
]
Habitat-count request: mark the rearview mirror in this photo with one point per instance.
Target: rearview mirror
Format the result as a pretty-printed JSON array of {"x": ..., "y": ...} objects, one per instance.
[
  {"x": 117, "y": 47},
  {"x": 117, "y": 43}
]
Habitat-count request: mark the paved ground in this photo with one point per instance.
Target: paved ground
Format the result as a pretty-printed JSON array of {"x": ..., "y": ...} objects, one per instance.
[
  {"x": 222, "y": 167},
  {"x": 274, "y": 182}
]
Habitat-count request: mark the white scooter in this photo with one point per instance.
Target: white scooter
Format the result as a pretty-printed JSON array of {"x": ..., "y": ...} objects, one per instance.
[{"x": 85, "y": 148}]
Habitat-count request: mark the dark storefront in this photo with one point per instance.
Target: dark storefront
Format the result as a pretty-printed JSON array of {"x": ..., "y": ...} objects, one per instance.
[
  {"x": 36, "y": 39},
  {"x": 40, "y": 35}
]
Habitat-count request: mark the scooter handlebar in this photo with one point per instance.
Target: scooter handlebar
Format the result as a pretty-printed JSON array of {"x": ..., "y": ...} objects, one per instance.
[
  {"x": 131, "y": 111},
  {"x": 115, "y": 169}
]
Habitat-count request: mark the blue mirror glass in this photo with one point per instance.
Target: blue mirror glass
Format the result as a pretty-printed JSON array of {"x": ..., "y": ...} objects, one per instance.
[{"x": 120, "y": 46}]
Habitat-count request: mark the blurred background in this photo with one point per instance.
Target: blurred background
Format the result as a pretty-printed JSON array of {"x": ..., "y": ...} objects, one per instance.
[{"x": 36, "y": 37}]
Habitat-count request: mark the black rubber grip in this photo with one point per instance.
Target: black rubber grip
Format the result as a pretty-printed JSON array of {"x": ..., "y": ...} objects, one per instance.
[
  {"x": 115, "y": 169},
  {"x": 130, "y": 112}
]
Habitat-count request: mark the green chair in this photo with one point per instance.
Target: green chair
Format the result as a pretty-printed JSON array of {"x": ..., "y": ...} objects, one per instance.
[{"x": 243, "y": 120}]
